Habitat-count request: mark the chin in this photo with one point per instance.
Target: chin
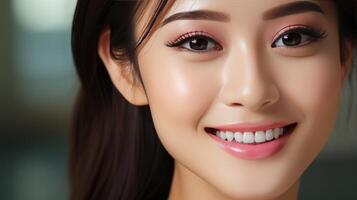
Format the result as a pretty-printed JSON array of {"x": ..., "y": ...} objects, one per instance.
[
  {"x": 256, "y": 187},
  {"x": 251, "y": 193},
  {"x": 252, "y": 179}
]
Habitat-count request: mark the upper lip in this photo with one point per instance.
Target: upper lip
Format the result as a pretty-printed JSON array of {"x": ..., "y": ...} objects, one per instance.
[{"x": 250, "y": 127}]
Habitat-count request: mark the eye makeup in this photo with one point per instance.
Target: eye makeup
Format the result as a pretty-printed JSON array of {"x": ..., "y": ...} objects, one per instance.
[
  {"x": 201, "y": 37},
  {"x": 299, "y": 30},
  {"x": 291, "y": 36}
]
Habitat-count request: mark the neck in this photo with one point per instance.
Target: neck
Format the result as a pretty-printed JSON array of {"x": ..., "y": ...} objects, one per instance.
[{"x": 186, "y": 185}]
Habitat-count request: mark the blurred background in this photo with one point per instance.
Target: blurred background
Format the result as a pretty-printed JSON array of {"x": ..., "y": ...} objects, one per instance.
[
  {"x": 37, "y": 89},
  {"x": 38, "y": 86}
]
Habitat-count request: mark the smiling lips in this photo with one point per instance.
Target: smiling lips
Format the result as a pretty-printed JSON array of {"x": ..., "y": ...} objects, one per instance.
[{"x": 252, "y": 141}]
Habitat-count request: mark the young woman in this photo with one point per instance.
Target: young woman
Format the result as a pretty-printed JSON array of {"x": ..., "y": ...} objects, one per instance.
[{"x": 205, "y": 99}]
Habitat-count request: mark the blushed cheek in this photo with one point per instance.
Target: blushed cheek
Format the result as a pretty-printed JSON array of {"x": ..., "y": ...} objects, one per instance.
[
  {"x": 316, "y": 87},
  {"x": 179, "y": 93},
  {"x": 324, "y": 90}
]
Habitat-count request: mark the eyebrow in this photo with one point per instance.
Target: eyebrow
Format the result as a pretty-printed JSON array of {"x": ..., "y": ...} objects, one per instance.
[
  {"x": 273, "y": 13},
  {"x": 198, "y": 15},
  {"x": 292, "y": 8}
]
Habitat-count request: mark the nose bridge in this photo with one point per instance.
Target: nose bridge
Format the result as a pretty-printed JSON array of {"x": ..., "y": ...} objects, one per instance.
[{"x": 246, "y": 82}]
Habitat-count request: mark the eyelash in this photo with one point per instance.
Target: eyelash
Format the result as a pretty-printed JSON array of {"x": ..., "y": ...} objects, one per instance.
[
  {"x": 186, "y": 37},
  {"x": 314, "y": 36}
]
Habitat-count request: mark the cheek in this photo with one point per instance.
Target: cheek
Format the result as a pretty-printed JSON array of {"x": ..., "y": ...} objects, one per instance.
[
  {"x": 312, "y": 86},
  {"x": 313, "y": 91},
  {"x": 179, "y": 92}
]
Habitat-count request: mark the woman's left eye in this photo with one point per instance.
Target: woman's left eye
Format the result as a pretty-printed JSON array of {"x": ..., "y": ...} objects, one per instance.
[
  {"x": 195, "y": 42},
  {"x": 297, "y": 37}
]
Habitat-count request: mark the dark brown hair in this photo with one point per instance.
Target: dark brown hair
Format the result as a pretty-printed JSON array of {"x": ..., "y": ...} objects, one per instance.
[{"x": 115, "y": 152}]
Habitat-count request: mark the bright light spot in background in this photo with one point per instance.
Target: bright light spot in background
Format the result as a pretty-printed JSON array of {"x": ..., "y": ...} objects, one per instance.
[{"x": 44, "y": 15}]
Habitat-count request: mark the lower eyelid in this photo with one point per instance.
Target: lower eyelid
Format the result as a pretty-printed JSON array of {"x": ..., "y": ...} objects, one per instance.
[{"x": 302, "y": 51}]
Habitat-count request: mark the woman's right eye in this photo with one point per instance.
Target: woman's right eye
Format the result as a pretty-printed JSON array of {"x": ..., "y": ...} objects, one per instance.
[{"x": 196, "y": 43}]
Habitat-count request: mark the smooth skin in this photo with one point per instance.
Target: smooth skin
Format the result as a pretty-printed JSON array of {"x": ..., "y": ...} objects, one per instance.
[{"x": 245, "y": 81}]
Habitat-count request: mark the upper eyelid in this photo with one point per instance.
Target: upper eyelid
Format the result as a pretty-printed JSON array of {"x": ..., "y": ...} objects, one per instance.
[
  {"x": 191, "y": 34},
  {"x": 288, "y": 28}
]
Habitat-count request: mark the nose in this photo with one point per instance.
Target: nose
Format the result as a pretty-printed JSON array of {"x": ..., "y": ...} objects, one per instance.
[{"x": 248, "y": 83}]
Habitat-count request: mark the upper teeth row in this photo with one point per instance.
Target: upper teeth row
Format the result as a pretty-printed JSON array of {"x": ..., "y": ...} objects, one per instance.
[{"x": 250, "y": 137}]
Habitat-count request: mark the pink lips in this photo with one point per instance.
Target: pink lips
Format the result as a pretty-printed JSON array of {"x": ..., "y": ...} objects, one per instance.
[{"x": 252, "y": 151}]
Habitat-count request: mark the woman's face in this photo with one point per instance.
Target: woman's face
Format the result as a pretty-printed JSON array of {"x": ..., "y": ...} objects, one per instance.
[{"x": 256, "y": 65}]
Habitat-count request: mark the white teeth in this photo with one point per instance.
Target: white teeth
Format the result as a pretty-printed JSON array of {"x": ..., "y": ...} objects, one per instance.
[
  {"x": 218, "y": 133},
  {"x": 238, "y": 136},
  {"x": 269, "y": 135},
  {"x": 251, "y": 137},
  {"x": 229, "y": 136},
  {"x": 281, "y": 131},
  {"x": 248, "y": 137},
  {"x": 276, "y": 133},
  {"x": 222, "y": 135},
  {"x": 259, "y": 136}
]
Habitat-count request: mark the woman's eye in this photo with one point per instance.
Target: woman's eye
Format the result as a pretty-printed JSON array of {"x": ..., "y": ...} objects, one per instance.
[
  {"x": 199, "y": 44},
  {"x": 196, "y": 43},
  {"x": 298, "y": 37}
]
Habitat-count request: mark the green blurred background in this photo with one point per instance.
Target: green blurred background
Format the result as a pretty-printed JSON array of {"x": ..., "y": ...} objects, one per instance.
[
  {"x": 37, "y": 89},
  {"x": 38, "y": 86}
]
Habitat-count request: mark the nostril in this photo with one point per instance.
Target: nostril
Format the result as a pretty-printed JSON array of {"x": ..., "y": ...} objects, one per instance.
[
  {"x": 237, "y": 104},
  {"x": 266, "y": 103}
]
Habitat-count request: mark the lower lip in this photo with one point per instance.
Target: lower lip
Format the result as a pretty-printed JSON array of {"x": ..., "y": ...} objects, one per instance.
[{"x": 253, "y": 151}]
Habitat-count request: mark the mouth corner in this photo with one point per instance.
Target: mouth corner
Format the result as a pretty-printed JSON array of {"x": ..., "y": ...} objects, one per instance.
[
  {"x": 210, "y": 130},
  {"x": 291, "y": 127}
]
